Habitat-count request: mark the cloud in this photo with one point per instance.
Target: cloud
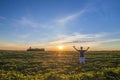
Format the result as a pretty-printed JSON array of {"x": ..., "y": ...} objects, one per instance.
[
  {"x": 93, "y": 40},
  {"x": 77, "y": 38},
  {"x": 1, "y": 17},
  {"x": 23, "y": 36},
  {"x": 71, "y": 17},
  {"x": 73, "y": 39},
  {"x": 109, "y": 40},
  {"x": 24, "y": 21}
]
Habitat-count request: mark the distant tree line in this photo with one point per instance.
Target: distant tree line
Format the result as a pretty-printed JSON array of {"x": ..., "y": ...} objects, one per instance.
[{"x": 35, "y": 49}]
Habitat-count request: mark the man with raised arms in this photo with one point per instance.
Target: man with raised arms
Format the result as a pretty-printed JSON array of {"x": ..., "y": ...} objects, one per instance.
[{"x": 82, "y": 52}]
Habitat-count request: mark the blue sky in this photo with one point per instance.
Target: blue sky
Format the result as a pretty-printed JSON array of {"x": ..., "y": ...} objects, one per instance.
[{"x": 48, "y": 23}]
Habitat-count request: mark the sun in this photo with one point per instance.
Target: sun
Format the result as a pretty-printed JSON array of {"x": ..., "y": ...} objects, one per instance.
[{"x": 60, "y": 47}]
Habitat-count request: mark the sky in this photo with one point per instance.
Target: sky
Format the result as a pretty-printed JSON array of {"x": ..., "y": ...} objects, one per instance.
[{"x": 49, "y": 23}]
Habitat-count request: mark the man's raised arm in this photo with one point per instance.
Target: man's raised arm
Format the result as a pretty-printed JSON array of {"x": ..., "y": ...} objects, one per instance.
[
  {"x": 75, "y": 48},
  {"x": 87, "y": 48}
]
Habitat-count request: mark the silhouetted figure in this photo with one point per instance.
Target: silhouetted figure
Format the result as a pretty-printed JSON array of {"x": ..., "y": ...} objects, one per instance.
[{"x": 81, "y": 51}]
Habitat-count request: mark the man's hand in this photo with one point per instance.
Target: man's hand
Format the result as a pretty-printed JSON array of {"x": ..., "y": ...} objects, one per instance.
[
  {"x": 73, "y": 46},
  {"x": 87, "y": 48}
]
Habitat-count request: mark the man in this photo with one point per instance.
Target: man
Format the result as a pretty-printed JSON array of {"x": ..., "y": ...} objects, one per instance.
[{"x": 81, "y": 51}]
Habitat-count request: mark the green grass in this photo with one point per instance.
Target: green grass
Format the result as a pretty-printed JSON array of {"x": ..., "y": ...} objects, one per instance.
[{"x": 35, "y": 65}]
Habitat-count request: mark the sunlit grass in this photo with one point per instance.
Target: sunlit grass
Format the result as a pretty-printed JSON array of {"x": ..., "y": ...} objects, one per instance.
[{"x": 58, "y": 66}]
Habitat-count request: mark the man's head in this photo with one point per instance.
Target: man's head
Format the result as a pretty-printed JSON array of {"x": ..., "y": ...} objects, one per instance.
[{"x": 81, "y": 48}]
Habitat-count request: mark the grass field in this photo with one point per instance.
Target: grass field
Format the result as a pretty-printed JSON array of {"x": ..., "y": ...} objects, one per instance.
[{"x": 35, "y": 65}]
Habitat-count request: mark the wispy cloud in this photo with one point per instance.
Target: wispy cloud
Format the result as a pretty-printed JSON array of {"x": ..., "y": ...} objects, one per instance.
[
  {"x": 109, "y": 40},
  {"x": 1, "y": 17},
  {"x": 83, "y": 39},
  {"x": 77, "y": 38},
  {"x": 23, "y": 36},
  {"x": 71, "y": 17},
  {"x": 74, "y": 39},
  {"x": 61, "y": 21},
  {"x": 24, "y": 21}
]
